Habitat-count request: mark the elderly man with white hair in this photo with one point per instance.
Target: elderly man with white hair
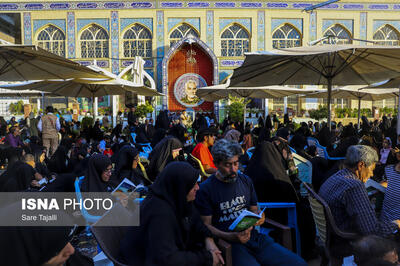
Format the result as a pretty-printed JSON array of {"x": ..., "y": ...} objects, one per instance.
[
  {"x": 347, "y": 196},
  {"x": 348, "y": 200}
]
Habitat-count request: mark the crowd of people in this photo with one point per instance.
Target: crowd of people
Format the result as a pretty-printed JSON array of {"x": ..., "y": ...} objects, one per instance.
[{"x": 187, "y": 206}]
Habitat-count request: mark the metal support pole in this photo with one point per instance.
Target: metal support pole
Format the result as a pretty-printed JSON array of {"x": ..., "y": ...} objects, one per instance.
[{"x": 329, "y": 101}]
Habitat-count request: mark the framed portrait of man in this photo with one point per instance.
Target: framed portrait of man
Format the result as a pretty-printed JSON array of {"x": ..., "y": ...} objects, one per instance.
[{"x": 186, "y": 87}]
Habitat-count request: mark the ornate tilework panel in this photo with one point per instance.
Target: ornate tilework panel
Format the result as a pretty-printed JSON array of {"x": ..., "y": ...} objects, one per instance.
[
  {"x": 27, "y": 28},
  {"x": 230, "y": 63},
  {"x": 194, "y": 22},
  {"x": 103, "y": 22},
  {"x": 114, "y": 42},
  {"x": 71, "y": 34},
  {"x": 313, "y": 26},
  {"x": 225, "y": 5},
  {"x": 210, "y": 29},
  {"x": 198, "y": 4},
  {"x": 125, "y": 22},
  {"x": 261, "y": 30},
  {"x": 245, "y": 22},
  {"x": 363, "y": 26},
  {"x": 347, "y": 23},
  {"x": 379, "y": 23},
  {"x": 160, "y": 51},
  {"x": 171, "y": 52},
  {"x": 38, "y": 23},
  {"x": 297, "y": 22}
]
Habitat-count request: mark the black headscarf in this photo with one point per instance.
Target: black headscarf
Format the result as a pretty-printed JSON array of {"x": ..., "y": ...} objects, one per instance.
[
  {"x": 268, "y": 122},
  {"x": 124, "y": 161},
  {"x": 173, "y": 184},
  {"x": 18, "y": 178},
  {"x": 162, "y": 155},
  {"x": 31, "y": 245},
  {"x": 269, "y": 176},
  {"x": 14, "y": 155},
  {"x": 92, "y": 182},
  {"x": 158, "y": 136},
  {"x": 271, "y": 182},
  {"x": 59, "y": 161},
  {"x": 162, "y": 120}
]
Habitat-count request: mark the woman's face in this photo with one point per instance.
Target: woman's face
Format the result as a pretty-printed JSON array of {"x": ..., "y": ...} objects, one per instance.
[
  {"x": 191, "y": 196},
  {"x": 135, "y": 161},
  {"x": 105, "y": 176},
  {"x": 175, "y": 152},
  {"x": 385, "y": 144}
]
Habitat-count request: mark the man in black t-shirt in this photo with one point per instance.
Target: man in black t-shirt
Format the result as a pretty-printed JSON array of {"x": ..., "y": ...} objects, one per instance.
[{"x": 223, "y": 196}]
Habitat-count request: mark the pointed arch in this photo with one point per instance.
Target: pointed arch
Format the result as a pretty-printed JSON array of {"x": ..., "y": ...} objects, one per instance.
[
  {"x": 137, "y": 41},
  {"x": 235, "y": 40},
  {"x": 181, "y": 31},
  {"x": 387, "y": 35},
  {"x": 343, "y": 36},
  {"x": 286, "y": 36},
  {"x": 94, "y": 42},
  {"x": 52, "y": 39}
]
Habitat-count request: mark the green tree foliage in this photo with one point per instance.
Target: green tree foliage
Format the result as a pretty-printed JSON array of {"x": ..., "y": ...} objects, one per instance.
[
  {"x": 16, "y": 108},
  {"x": 236, "y": 108},
  {"x": 320, "y": 113},
  {"x": 144, "y": 109}
]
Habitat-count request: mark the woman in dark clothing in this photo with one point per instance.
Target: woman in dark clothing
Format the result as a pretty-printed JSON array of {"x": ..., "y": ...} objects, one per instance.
[
  {"x": 267, "y": 170},
  {"x": 81, "y": 161},
  {"x": 162, "y": 120},
  {"x": 98, "y": 175},
  {"x": 18, "y": 178},
  {"x": 163, "y": 153},
  {"x": 126, "y": 166},
  {"x": 158, "y": 136},
  {"x": 59, "y": 162},
  {"x": 298, "y": 142},
  {"x": 268, "y": 122},
  {"x": 46, "y": 245},
  {"x": 40, "y": 161},
  {"x": 325, "y": 137},
  {"x": 95, "y": 132},
  {"x": 14, "y": 155},
  {"x": 171, "y": 231}
]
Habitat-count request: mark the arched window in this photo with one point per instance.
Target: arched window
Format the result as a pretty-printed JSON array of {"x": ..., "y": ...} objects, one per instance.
[
  {"x": 52, "y": 39},
  {"x": 286, "y": 36},
  {"x": 342, "y": 35},
  {"x": 180, "y": 32},
  {"x": 387, "y": 35},
  {"x": 137, "y": 42},
  {"x": 235, "y": 41},
  {"x": 94, "y": 42}
]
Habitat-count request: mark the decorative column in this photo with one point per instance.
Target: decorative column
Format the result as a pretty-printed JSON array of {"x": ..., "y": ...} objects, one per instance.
[
  {"x": 363, "y": 26},
  {"x": 160, "y": 54},
  {"x": 27, "y": 28},
  {"x": 71, "y": 35},
  {"x": 261, "y": 30},
  {"x": 114, "y": 61}
]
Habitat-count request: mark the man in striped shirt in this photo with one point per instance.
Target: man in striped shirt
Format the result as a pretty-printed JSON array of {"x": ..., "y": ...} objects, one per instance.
[{"x": 347, "y": 196}]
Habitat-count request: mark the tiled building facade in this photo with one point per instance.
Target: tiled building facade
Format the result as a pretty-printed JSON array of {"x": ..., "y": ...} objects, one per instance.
[{"x": 113, "y": 32}]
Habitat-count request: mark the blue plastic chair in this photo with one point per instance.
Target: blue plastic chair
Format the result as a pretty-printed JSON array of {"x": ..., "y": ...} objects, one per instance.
[
  {"x": 292, "y": 218},
  {"x": 326, "y": 155},
  {"x": 250, "y": 151},
  {"x": 90, "y": 219}
]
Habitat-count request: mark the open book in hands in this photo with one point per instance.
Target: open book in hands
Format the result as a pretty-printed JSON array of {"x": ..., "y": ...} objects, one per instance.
[
  {"x": 125, "y": 187},
  {"x": 245, "y": 220}
]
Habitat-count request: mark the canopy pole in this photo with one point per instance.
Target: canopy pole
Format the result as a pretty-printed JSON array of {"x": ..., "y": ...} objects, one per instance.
[
  {"x": 244, "y": 114},
  {"x": 359, "y": 112},
  {"x": 398, "y": 117},
  {"x": 94, "y": 114},
  {"x": 329, "y": 79}
]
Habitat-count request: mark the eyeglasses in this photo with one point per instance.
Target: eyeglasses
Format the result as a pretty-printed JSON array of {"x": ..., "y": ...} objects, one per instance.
[{"x": 108, "y": 170}]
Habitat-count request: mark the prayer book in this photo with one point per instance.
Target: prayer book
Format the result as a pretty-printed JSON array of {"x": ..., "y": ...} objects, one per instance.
[
  {"x": 375, "y": 185},
  {"x": 125, "y": 187},
  {"x": 245, "y": 220}
]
